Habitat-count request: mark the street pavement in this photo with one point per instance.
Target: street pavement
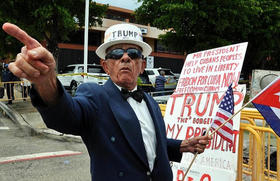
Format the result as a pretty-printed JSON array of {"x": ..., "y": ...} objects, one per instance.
[{"x": 24, "y": 115}]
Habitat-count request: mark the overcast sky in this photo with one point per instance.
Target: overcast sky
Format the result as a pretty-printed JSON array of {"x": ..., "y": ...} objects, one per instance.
[{"x": 126, "y": 4}]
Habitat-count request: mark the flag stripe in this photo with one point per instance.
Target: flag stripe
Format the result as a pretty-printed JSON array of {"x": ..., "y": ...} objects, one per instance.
[
  {"x": 225, "y": 127},
  {"x": 223, "y": 120},
  {"x": 225, "y": 133},
  {"x": 228, "y": 124},
  {"x": 270, "y": 116},
  {"x": 222, "y": 116},
  {"x": 227, "y": 139},
  {"x": 276, "y": 111},
  {"x": 227, "y": 114}
]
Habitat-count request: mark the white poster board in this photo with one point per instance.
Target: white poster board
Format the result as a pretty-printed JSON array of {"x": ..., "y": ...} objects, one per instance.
[
  {"x": 189, "y": 115},
  {"x": 212, "y": 70},
  {"x": 205, "y": 77}
]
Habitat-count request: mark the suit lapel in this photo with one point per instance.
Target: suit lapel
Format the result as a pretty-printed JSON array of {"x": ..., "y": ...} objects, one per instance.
[
  {"x": 158, "y": 125},
  {"x": 127, "y": 120}
]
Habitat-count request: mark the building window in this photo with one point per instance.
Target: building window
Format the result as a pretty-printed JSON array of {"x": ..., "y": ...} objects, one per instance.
[
  {"x": 160, "y": 47},
  {"x": 94, "y": 38},
  {"x": 120, "y": 16}
]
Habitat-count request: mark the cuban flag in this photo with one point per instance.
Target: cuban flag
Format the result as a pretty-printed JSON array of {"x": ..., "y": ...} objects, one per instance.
[{"x": 267, "y": 103}]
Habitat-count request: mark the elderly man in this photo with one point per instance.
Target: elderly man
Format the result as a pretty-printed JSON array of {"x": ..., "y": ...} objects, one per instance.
[{"x": 121, "y": 126}]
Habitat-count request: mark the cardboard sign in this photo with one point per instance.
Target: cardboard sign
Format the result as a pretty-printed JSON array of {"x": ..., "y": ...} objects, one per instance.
[
  {"x": 212, "y": 70},
  {"x": 189, "y": 115},
  {"x": 190, "y": 111}
]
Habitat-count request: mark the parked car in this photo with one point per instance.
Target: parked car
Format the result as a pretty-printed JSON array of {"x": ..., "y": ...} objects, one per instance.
[
  {"x": 152, "y": 73},
  {"x": 72, "y": 75},
  {"x": 177, "y": 75},
  {"x": 144, "y": 83}
]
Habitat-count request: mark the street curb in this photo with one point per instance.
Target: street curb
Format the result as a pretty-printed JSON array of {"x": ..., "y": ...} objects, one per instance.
[{"x": 19, "y": 120}]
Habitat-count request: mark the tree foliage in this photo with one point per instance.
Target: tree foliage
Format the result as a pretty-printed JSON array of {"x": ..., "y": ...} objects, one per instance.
[
  {"x": 46, "y": 20},
  {"x": 198, "y": 25}
]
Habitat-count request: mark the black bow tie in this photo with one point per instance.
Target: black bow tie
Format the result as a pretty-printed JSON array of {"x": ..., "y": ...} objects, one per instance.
[{"x": 138, "y": 95}]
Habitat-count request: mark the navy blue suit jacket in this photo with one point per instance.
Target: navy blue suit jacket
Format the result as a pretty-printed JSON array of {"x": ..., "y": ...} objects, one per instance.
[{"x": 111, "y": 132}]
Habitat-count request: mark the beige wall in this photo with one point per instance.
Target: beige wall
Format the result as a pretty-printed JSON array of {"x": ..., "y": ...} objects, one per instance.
[
  {"x": 151, "y": 42},
  {"x": 151, "y": 33}
]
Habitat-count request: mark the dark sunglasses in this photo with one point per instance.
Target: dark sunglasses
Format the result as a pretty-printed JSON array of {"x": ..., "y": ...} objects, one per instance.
[{"x": 117, "y": 53}]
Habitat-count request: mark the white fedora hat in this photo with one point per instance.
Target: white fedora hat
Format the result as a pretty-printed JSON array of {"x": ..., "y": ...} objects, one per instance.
[{"x": 123, "y": 33}]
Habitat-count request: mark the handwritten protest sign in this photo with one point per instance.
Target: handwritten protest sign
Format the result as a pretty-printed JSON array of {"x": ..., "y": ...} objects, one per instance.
[
  {"x": 189, "y": 115},
  {"x": 190, "y": 111},
  {"x": 212, "y": 70}
]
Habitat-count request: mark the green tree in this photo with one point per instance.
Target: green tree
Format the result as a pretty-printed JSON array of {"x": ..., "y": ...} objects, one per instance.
[
  {"x": 51, "y": 21},
  {"x": 198, "y": 25},
  {"x": 264, "y": 38}
]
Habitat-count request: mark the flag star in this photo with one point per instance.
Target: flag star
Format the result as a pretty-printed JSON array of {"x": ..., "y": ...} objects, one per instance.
[{"x": 278, "y": 94}]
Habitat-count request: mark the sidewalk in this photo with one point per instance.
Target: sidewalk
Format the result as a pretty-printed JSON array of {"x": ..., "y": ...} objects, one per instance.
[
  {"x": 29, "y": 114},
  {"x": 28, "y": 118},
  {"x": 22, "y": 106},
  {"x": 23, "y": 114}
]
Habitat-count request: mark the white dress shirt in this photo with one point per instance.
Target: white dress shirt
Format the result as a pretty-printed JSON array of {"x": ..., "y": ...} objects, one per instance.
[{"x": 147, "y": 127}]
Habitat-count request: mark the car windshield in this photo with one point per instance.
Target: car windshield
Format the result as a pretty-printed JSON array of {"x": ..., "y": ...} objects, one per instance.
[
  {"x": 68, "y": 70},
  {"x": 95, "y": 69},
  {"x": 150, "y": 72}
]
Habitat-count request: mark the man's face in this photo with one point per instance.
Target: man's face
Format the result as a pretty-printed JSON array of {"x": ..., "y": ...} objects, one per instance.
[{"x": 125, "y": 70}]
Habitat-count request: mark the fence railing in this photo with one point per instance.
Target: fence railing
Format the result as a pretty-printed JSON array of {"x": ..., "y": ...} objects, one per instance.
[
  {"x": 259, "y": 149},
  {"x": 16, "y": 90}
]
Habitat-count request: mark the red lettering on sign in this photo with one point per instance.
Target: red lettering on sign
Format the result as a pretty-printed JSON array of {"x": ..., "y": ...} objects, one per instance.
[
  {"x": 174, "y": 97},
  {"x": 205, "y": 176},
  {"x": 204, "y": 103},
  {"x": 217, "y": 143},
  {"x": 188, "y": 102},
  {"x": 239, "y": 96},
  {"x": 171, "y": 129},
  {"x": 180, "y": 175},
  {"x": 191, "y": 132}
]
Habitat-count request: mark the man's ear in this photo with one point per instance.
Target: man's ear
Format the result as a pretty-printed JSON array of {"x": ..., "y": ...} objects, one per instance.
[
  {"x": 143, "y": 66},
  {"x": 103, "y": 63}
]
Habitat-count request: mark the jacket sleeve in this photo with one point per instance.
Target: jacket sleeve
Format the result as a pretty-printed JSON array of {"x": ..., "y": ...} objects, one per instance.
[
  {"x": 67, "y": 116},
  {"x": 173, "y": 150}
]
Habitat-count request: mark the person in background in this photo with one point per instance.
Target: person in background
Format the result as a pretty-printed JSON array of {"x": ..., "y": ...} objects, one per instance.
[
  {"x": 160, "y": 81},
  {"x": 122, "y": 127},
  {"x": 25, "y": 86},
  {"x": 8, "y": 78}
]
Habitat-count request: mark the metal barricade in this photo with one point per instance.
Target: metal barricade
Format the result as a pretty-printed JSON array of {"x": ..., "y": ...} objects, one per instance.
[
  {"x": 262, "y": 161},
  {"x": 14, "y": 90}
]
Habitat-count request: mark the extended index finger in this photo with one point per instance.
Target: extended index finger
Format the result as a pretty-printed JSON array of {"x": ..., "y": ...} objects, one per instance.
[{"x": 21, "y": 35}]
